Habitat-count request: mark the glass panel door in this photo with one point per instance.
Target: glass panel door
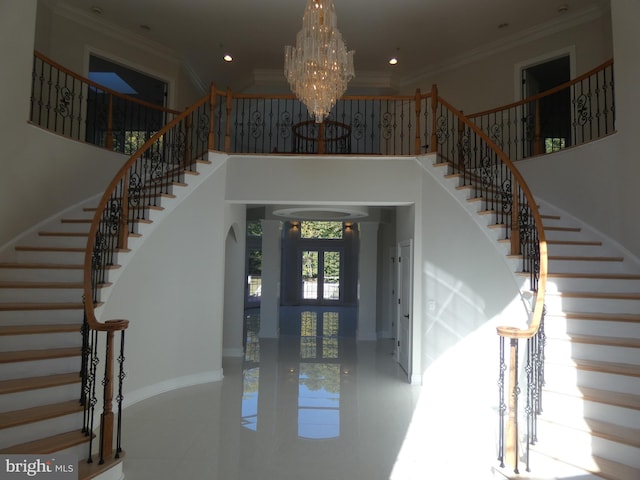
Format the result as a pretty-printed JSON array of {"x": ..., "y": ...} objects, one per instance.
[
  {"x": 321, "y": 275},
  {"x": 309, "y": 275}
]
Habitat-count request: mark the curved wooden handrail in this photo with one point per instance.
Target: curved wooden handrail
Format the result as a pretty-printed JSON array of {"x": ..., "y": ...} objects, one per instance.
[
  {"x": 128, "y": 98},
  {"x": 546, "y": 93},
  {"x": 538, "y": 308},
  {"x": 97, "y": 218}
]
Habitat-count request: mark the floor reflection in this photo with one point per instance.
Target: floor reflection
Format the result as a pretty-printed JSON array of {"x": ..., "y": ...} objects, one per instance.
[{"x": 307, "y": 407}]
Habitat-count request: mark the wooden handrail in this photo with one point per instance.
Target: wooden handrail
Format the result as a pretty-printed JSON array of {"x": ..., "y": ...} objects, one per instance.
[
  {"x": 538, "y": 309},
  {"x": 108, "y": 90},
  {"x": 102, "y": 205},
  {"x": 546, "y": 93}
]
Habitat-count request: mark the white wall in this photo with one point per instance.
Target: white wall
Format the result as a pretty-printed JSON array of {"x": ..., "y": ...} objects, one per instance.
[
  {"x": 172, "y": 292},
  {"x": 40, "y": 170},
  {"x": 68, "y": 36},
  {"x": 492, "y": 71},
  {"x": 597, "y": 182}
]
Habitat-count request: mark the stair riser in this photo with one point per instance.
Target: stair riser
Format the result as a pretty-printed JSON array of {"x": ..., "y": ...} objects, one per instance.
[
  {"x": 53, "y": 426},
  {"x": 592, "y": 285},
  {"x": 560, "y": 377},
  {"x": 41, "y": 275},
  {"x": 40, "y": 295},
  {"x": 36, "y": 398},
  {"x": 573, "y": 410},
  {"x": 41, "y": 341},
  {"x": 557, "y": 304},
  {"x": 73, "y": 227},
  {"x": 584, "y": 442},
  {"x": 565, "y": 350},
  {"x": 76, "y": 258},
  {"x": 581, "y": 250},
  {"x": 582, "y": 266},
  {"x": 40, "y": 367},
  {"x": 60, "y": 241},
  {"x": 557, "y": 326},
  {"x": 40, "y": 317}
]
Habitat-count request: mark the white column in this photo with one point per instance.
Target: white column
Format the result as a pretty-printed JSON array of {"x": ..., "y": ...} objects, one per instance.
[
  {"x": 367, "y": 280},
  {"x": 270, "y": 298}
]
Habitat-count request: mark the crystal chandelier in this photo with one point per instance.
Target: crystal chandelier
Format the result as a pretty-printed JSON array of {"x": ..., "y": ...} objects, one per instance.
[{"x": 319, "y": 67}]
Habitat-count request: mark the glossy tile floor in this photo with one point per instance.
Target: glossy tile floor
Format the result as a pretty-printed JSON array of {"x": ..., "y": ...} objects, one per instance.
[{"x": 316, "y": 408}]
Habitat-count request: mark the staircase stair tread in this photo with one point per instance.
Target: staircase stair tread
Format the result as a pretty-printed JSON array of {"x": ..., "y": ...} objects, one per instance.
[
  {"x": 51, "y": 444},
  {"x": 52, "y": 266},
  {"x": 574, "y": 242},
  {"x": 36, "y": 414},
  {"x": 41, "y": 306},
  {"x": 624, "y": 342},
  {"x": 600, "y": 295},
  {"x": 603, "y": 316},
  {"x": 562, "y": 229},
  {"x": 585, "y": 258},
  {"x": 600, "y": 276},
  {"x": 23, "y": 284},
  {"x": 615, "y": 368},
  {"x": 42, "y": 354},
  {"x": 37, "y": 329},
  {"x": 598, "y": 428},
  {"x": 618, "y": 399},
  {"x": 35, "y": 383},
  {"x": 63, "y": 234},
  {"x": 45, "y": 248}
]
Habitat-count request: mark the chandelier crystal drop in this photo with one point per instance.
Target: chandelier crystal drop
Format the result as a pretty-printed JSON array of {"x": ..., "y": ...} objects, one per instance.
[{"x": 319, "y": 67}]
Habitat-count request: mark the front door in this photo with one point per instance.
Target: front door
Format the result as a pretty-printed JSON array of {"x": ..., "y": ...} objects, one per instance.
[
  {"x": 405, "y": 286},
  {"x": 321, "y": 276}
]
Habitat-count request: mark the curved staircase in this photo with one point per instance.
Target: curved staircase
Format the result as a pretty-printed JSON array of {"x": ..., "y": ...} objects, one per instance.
[
  {"x": 591, "y": 400},
  {"x": 41, "y": 315}
]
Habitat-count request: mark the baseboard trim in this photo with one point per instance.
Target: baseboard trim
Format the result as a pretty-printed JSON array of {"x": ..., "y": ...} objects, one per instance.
[{"x": 150, "y": 391}]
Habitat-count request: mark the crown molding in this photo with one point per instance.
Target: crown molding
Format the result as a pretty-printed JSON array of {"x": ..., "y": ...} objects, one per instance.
[
  {"x": 526, "y": 36},
  {"x": 109, "y": 29}
]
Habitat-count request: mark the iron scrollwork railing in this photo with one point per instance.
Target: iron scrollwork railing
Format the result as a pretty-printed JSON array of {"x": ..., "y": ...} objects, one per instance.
[
  {"x": 379, "y": 125},
  {"x": 150, "y": 174},
  {"x": 570, "y": 114},
  {"x": 496, "y": 184},
  {"x": 78, "y": 108}
]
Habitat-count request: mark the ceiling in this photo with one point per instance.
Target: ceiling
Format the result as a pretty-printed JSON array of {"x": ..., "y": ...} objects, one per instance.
[{"x": 426, "y": 35}]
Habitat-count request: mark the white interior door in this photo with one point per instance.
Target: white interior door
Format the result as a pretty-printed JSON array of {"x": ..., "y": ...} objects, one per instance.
[{"x": 404, "y": 317}]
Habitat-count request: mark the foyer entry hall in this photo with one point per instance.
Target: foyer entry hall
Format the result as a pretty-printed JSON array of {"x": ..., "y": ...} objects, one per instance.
[{"x": 278, "y": 414}]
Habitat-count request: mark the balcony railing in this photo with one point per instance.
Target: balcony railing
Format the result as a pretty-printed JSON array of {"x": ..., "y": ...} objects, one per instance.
[{"x": 570, "y": 114}]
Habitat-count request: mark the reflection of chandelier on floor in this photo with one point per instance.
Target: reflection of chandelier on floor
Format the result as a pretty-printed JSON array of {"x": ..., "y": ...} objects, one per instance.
[{"x": 319, "y": 67}]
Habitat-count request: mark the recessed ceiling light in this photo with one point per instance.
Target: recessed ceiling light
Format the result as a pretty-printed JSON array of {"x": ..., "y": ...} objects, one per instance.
[
  {"x": 227, "y": 58},
  {"x": 393, "y": 61}
]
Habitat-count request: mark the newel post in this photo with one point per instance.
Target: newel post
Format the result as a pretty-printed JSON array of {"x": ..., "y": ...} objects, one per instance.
[
  {"x": 123, "y": 230},
  {"x": 537, "y": 145},
  {"x": 515, "y": 227},
  {"x": 106, "y": 419},
  {"x": 212, "y": 106},
  {"x": 227, "y": 137},
  {"x": 418, "y": 111},
  {"x": 434, "y": 119},
  {"x": 321, "y": 139},
  {"x": 109, "y": 139}
]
